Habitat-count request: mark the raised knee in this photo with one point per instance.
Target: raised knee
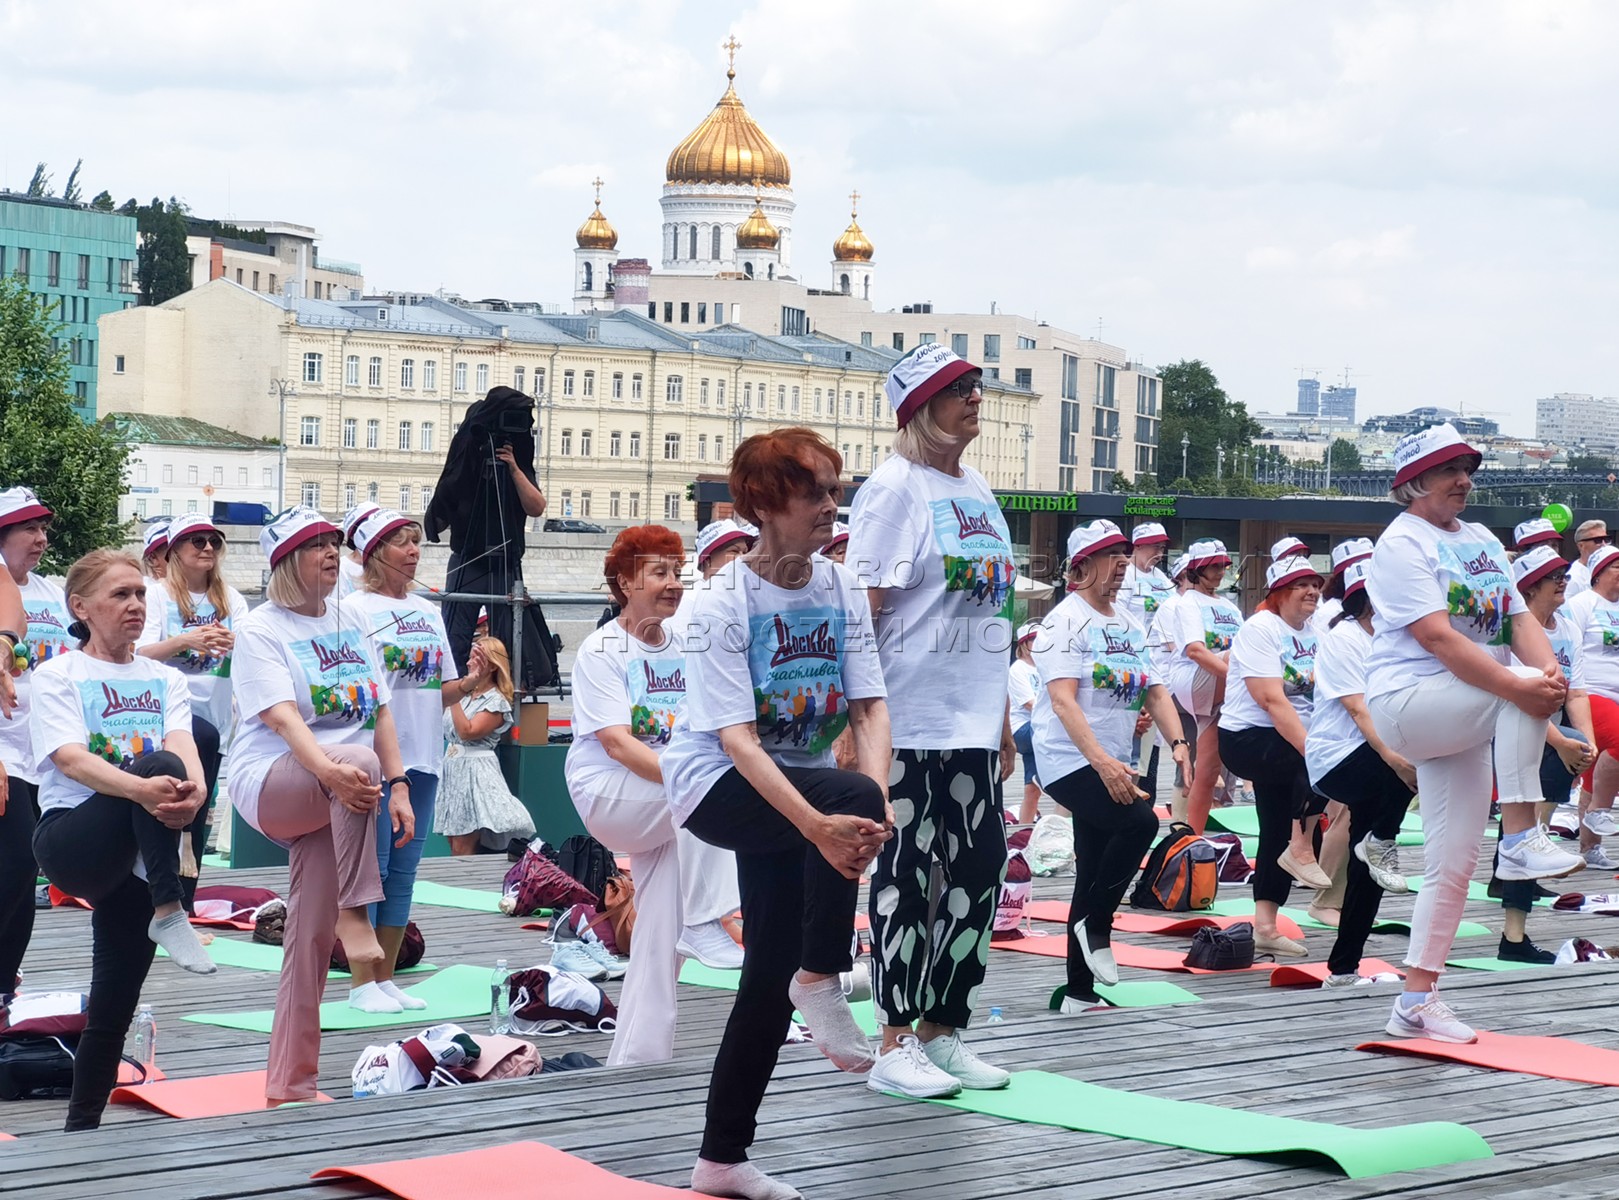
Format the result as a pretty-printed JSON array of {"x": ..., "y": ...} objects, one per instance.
[
  {"x": 358, "y": 756},
  {"x": 865, "y": 797},
  {"x": 160, "y": 762}
]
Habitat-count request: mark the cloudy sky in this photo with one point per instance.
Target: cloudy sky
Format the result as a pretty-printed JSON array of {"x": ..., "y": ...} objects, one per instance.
[{"x": 1423, "y": 193}]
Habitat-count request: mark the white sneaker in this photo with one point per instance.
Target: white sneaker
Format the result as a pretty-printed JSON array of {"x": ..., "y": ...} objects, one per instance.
[
  {"x": 1073, "y": 1006},
  {"x": 1431, "y": 1019},
  {"x": 1098, "y": 954},
  {"x": 710, "y": 945},
  {"x": 1601, "y": 822},
  {"x": 612, "y": 966},
  {"x": 1597, "y": 859},
  {"x": 951, "y": 1056},
  {"x": 1353, "y": 981},
  {"x": 1382, "y": 861},
  {"x": 1534, "y": 857},
  {"x": 573, "y": 958},
  {"x": 908, "y": 1070}
]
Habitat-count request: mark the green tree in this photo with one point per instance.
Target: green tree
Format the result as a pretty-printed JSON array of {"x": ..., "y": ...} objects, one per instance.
[
  {"x": 40, "y": 184},
  {"x": 1587, "y": 463},
  {"x": 1197, "y": 407},
  {"x": 103, "y": 201},
  {"x": 162, "y": 266},
  {"x": 1345, "y": 456},
  {"x": 1121, "y": 483},
  {"x": 76, "y": 469},
  {"x": 70, "y": 191}
]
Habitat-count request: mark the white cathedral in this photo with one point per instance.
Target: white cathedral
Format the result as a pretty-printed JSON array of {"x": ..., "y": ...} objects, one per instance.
[{"x": 727, "y": 213}]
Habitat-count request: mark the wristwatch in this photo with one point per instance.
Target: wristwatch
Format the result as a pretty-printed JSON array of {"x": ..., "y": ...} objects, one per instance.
[
  {"x": 404, "y": 779},
  {"x": 1179, "y": 742}
]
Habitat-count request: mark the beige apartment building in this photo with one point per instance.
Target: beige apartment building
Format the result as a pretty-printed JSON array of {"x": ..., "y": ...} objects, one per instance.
[
  {"x": 365, "y": 395},
  {"x": 288, "y": 258}
]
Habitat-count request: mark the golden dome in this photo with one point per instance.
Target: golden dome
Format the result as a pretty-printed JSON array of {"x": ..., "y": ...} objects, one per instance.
[
  {"x": 757, "y": 233},
  {"x": 729, "y": 146},
  {"x": 596, "y": 233},
  {"x": 853, "y": 245}
]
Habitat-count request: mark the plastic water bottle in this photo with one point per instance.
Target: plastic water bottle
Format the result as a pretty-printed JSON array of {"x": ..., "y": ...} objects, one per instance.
[
  {"x": 996, "y": 1016},
  {"x": 500, "y": 1020},
  {"x": 146, "y": 1042}
]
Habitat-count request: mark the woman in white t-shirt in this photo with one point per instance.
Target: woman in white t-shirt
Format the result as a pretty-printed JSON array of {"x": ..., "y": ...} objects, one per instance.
[
  {"x": 119, "y": 780},
  {"x": 783, "y": 660},
  {"x": 1096, "y": 670},
  {"x": 155, "y": 549},
  {"x": 1593, "y": 618},
  {"x": 408, "y": 642},
  {"x": 1022, "y": 685},
  {"x": 315, "y": 744},
  {"x": 1351, "y": 765},
  {"x": 351, "y": 567},
  {"x": 929, "y": 541},
  {"x": 1144, "y": 591},
  {"x": 1270, "y": 692},
  {"x": 1442, "y": 688},
  {"x": 1201, "y": 625},
  {"x": 42, "y": 635},
  {"x": 190, "y": 618}
]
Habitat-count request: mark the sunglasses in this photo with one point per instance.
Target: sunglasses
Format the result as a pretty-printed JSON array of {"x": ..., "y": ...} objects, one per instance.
[
  {"x": 205, "y": 541},
  {"x": 964, "y": 388},
  {"x": 1598, "y": 537}
]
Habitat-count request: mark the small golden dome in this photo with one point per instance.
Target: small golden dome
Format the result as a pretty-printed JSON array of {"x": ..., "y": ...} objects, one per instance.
[
  {"x": 729, "y": 146},
  {"x": 853, "y": 245},
  {"x": 757, "y": 233},
  {"x": 596, "y": 233}
]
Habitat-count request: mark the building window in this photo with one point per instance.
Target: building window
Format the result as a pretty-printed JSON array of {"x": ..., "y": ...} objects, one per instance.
[
  {"x": 241, "y": 476},
  {"x": 140, "y": 509},
  {"x": 719, "y": 392},
  {"x": 373, "y": 372},
  {"x": 795, "y": 402},
  {"x": 635, "y": 446},
  {"x": 430, "y": 375},
  {"x": 310, "y": 494},
  {"x": 590, "y": 383},
  {"x": 702, "y": 392},
  {"x": 313, "y": 367},
  {"x": 84, "y": 272},
  {"x": 191, "y": 474},
  {"x": 714, "y": 242},
  {"x": 992, "y": 347},
  {"x": 926, "y": 339},
  {"x": 899, "y": 341},
  {"x": 612, "y": 506},
  {"x": 618, "y": 385},
  {"x": 350, "y": 494},
  {"x": 857, "y": 458},
  {"x": 567, "y": 502},
  {"x": 373, "y": 434},
  {"x": 168, "y": 508},
  {"x": 372, "y": 491},
  {"x": 427, "y": 496},
  {"x": 53, "y": 268},
  {"x": 23, "y": 256},
  {"x": 539, "y": 381},
  {"x": 635, "y": 506},
  {"x": 747, "y": 396},
  {"x": 719, "y": 448},
  {"x": 427, "y": 435},
  {"x": 672, "y": 388},
  {"x": 267, "y": 477},
  {"x": 702, "y": 447},
  {"x": 585, "y": 438},
  {"x": 635, "y": 387},
  {"x": 308, "y": 432},
  {"x": 671, "y": 445},
  {"x": 719, "y": 310},
  {"x": 817, "y": 401},
  {"x": 255, "y": 281},
  {"x": 671, "y": 506},
  {"x": 848, "y": 404},
  {"x": 702, "y": 312},
  {"x": 460, "y": 376},
  {"x": 117, "y": 364},
  {"x": 584, "y": 504},
  {"x": 405, "y": 432},
  {"x": 407, "y": 373},
  {"x": 351, "y": 433},
  {"x": 692, "y": 242},
  {"x": 140, "y": 472},
  {"x": 351, "y": 371},
  {"x": 668, "y": 312},
  {"x": 404, "y": 497},
  {"x": 1023, "y": 377},
  {"x": 483, "y": 377},
  {"x": 615, "y": 444},
  {"x": 781, "y": 398},
  {"x": 567, "y": 383},
  {"x": 567, "y": 442},
  {"x": 685, "y": 305}
]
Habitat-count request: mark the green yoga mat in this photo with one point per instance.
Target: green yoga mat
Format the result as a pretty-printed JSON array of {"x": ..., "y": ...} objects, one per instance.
[
  {"x": 256, "y": 956},
  {"x": 1465, "y": 929},
  {"x": 1488, "y": 964},
  {"x": 1042, "y": 1098},
  {"x": 1476, "y": 890},
  {"x": 442, "y": 895},
  {"x": 1133, "y": 994},
  {"x": 454, "y": 994},
  {"x": 216, "y": 860},
  {"x": 1243, "y": 819},
  {"x": 697, "y": 975}
]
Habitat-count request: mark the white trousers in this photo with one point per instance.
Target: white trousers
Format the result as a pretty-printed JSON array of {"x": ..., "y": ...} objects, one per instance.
[
  {"x": 708, "y": 888},
  {"x": 1446, "y": 727}
]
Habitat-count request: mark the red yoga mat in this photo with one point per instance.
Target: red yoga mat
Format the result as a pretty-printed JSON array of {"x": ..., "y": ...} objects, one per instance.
[
  {"x": 1314, "y": 974},
  {"x": 1124, "y": 953},
  {"x": 208, "y": 1096},
  {"x": 496, "y": 1172},
  {"x": 1551, "y": 1057},
  {"x": 60, "y": 899},
  {"x": 1173, "y": 926}
]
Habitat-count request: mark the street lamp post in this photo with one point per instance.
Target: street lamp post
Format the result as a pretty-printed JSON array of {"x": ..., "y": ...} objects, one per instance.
[
  {"x": 282, "y": 388},
  {"x": 547, "y": 406},
  {"x": 1186, "y": 441},
  {"x": 1219, "y": 461}
]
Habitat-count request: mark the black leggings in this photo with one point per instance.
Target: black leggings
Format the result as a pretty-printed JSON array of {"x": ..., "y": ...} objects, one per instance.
[
  {"x": 1109, "y": 841},
  {"x": 1282, "y": 795},
  {"x": 207, "y": 739},
  {"x": 17, "y": 874},
  {"x": 797, "y": 911},
  {"x": 89, "y": 852},
  {"x": 1377, "y": 800}
]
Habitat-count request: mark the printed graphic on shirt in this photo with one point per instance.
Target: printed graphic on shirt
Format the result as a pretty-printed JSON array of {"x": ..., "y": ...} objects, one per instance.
[
  {"x": 1477, "y": 596},
  {"x": 340, "y": 682},
  {"x": 1152, "y": 593},
  {"x": 657, "y": 688},
  {"x": 1298, "y": 665},
  {"x": 1563, "y": 648},
  {"x": 1220, "y": 624},
  {"x": 124, "y": 719},
  {"x": 798, "y": 691},
  {"x": 196, "y": 662},
  {"x": 46, "y": 637},
  {"x": 412, "y": 650},
  {"x": 977, "y": 551},
  {"x": 1605, "y": 617},
  {"x": 1120, "y": 666}
]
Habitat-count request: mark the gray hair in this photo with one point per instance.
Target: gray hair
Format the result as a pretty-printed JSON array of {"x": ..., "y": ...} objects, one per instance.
[
  {"x": 921, "y": 437},
  {"x": 1587, "y": 527},
  {"x": 1409, "y": 491}
]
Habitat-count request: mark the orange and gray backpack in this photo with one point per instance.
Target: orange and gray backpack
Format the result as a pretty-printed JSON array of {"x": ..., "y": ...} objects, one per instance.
[{"x": 1181, "y": 875}]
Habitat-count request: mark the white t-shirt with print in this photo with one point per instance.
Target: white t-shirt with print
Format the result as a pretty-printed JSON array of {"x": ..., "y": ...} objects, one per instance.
[
  {"x": 350, "y": 577},
  {"x": 1321, "y": 619},
  {"x": 1595, "y": 622},
  {"x": 322, "y": 664},
  {"x": 1565, "y": 636},
  {"x": 620, "y": 680},
  {"x": 207, "y": 677},
  {"x": 118, "y": 711},
  {"x": 1143, "y": 593},
  {"x": 45, "y": 638},
  {"x": 1340, "y": 670},
  {"x": 1022, "y": 687},
  {"x": 1267, "y": 647},
  {"x": 1196, "y": 619},
  {"x": 939, "y": 547},
  {"x": 1419, "y": 569},
  {"x": 1579, "y": 580},
  {"x": 1109, "y": 658},
  {"x": 409, "y": 644},
  {"x": 789, "y": 661}
]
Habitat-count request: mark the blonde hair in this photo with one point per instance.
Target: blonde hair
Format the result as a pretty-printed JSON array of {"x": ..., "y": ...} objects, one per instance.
[
  {"x": 921, "y": 438},
  {"x": 285, "y": 590},
  {"x": 495, "y": 651},
  {"x": 218, "y": 593},
  {"x": 84, "y": 576},
  {"x": 373, "y": 573}
]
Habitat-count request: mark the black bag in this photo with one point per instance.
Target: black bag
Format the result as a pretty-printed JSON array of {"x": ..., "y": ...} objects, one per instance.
[
  {"x": 1230, "y": 949},
  {"x": 35, "y": 1068},
  {"x": 590, "y": 863}
]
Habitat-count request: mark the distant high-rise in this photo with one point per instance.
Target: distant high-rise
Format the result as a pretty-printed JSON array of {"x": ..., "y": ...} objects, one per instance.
[
  {"x": 1336, "y": 402},
  {"x": 1309, "y": 397},
  {"x": 1569, "y": 419}
]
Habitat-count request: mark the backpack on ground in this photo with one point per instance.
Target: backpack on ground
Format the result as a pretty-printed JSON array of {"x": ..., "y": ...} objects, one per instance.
[
  {"x": 411, "y": 951},
  {"x": 546, "y": 1002},
  {"x": 535, "y": 882},
  {"x": 1182, "y": 873},
  {"x": 1051, "y": 845},
  {"x": 1234, "y": 864},
  {"x": 590, "y": 862},
  {"x": 39, "y": 1033},
  {"x": 1015, "y": 892},
  {"x": 1228, "y": 949}
]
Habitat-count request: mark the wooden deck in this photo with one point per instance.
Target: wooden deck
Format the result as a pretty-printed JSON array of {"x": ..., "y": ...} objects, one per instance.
[{"x": 1283, "y": 1052}]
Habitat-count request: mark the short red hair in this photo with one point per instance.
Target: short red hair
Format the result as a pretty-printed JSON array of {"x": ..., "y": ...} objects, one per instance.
[
  {"x": 633, "y": 547},
  {"x": 768, "y": 469}
]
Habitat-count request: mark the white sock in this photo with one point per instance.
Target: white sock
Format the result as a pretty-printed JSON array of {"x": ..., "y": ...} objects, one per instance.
[
  {"x": 370, "y": 998},
  {"x": 404, "y": 998},
  {"x": 826, "y": 1012},
  {"x": 174, "y": 934},
  {"x": 741, "y": 1181}
]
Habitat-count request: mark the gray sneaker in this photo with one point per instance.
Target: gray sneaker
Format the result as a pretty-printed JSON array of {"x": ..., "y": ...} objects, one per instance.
[{"x": 1382, "y": 859}]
